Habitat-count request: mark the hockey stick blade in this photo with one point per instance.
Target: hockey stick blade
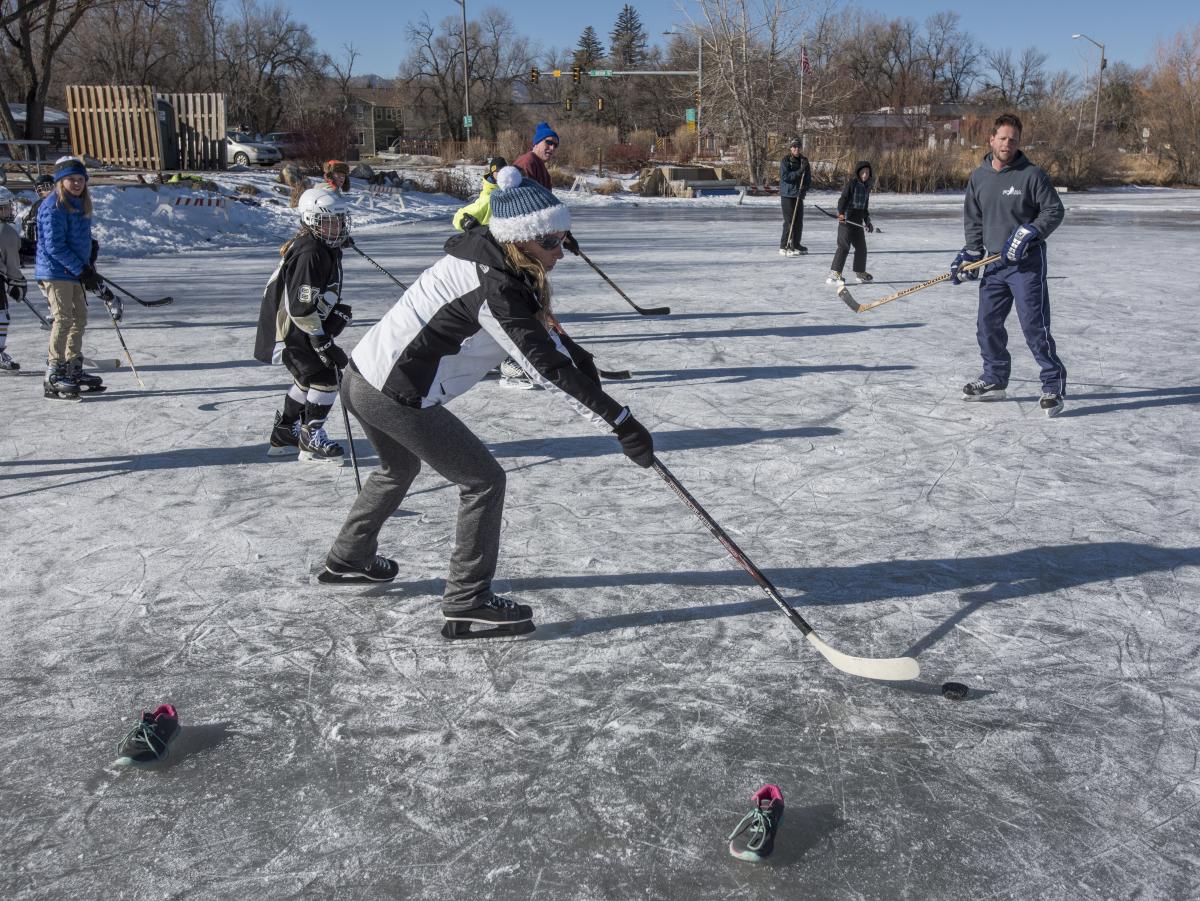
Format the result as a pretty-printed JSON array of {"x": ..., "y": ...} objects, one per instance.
[
  {"x": 161, "y": 302},
  {"x": 886, "y": 669},
  {"x": 619, "y": 375},
  {"x": 848, "y": 299}
]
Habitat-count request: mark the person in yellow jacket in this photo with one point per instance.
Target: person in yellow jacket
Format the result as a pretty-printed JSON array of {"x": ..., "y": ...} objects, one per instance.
[{"x": 479, "y": 211}]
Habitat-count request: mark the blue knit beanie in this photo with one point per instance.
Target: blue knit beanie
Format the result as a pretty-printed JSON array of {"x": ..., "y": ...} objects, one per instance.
[
  {"x": 522, "y": 210},
  {"x": 68, "y": 166},
  {"x": 542, "y": 132}
]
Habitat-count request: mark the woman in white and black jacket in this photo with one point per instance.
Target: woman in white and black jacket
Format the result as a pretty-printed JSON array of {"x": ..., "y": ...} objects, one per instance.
[{"x": 486, "y": 299}]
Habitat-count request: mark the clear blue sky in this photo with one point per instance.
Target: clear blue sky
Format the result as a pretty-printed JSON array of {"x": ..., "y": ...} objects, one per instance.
[{"x": 1129, "y": 30}]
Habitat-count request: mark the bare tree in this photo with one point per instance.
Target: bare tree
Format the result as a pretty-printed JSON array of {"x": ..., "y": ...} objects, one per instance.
[
  {"x": 1171, "y": 101},
  {"x": 1018, "y": 83},
  {"x": 951, "y": 58}
]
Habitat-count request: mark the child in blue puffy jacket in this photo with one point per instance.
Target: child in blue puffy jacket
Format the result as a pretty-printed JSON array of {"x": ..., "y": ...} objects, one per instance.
[{"x": 64, "y": 270}]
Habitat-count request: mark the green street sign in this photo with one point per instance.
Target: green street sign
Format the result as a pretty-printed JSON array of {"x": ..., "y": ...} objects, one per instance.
[
  {"x": 468, "y": 121},
  {"x": 690, "y": 114},
  {"x": 600, "y": 73}
]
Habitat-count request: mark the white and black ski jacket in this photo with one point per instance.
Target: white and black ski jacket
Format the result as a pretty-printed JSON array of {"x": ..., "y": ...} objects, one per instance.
[{"x": 459, "y": 320}]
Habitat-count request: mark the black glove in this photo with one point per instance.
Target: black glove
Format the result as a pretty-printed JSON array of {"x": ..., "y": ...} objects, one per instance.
[
  {"x": 337, "y": 320},
  {"x": 90, "y": 278},
  {"x": 17, "y": 292},
  {"x": 870, "y": 227},
  {"x": 331, "y": 355},
  {"x": 347, "y": 241},
  {"x": 95, "y": 252},
  {"x": 468, "y": 222},
  {"x": 636, "y": 442},
  {"x": 570, "y": 243}
]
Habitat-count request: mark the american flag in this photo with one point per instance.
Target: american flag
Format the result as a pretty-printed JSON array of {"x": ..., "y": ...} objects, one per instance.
[{"x": 804, "y": 64}]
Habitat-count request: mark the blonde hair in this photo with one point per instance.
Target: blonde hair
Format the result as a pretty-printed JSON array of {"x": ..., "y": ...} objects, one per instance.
[
  {"x": 60, "y": 192},
  {"x": 536, "y": 273}
]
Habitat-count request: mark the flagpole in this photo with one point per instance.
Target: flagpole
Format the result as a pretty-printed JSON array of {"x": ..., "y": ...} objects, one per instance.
[{"x": 803, "y": 54}]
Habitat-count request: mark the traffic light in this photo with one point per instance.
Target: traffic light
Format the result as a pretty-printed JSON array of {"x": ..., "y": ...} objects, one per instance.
[
  {"x": 534, "y": 74},
  {"x": 697, "y": 97},
  {"x": 600, "y": 103},
  {"x": 567, "y": 104},
  {"x": 576, "y": 74}
]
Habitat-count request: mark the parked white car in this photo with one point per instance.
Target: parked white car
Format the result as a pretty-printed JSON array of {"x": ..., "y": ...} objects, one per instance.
[{"x": 243, "y": 149}]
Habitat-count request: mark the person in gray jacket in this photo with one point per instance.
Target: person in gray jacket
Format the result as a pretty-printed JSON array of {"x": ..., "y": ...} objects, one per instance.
[{"x": 1011, "y": 208}]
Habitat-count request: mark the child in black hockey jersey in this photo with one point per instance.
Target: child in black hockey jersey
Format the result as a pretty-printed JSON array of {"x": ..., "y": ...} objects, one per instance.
[
  {"x": 487, "y": 298},
  {"x": 12, "y": 280},
  {"x": 854, "y": 221},
  {"x": 301, "y": 315}
]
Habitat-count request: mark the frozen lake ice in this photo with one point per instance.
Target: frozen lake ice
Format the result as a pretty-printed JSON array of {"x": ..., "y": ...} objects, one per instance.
[{"x": 334, "y": 746}]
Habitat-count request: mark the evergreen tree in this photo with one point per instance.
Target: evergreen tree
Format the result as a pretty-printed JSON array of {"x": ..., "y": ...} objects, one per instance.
[
  {"x": 628, "y": 38},
  {"x": 589, "y": 50}
]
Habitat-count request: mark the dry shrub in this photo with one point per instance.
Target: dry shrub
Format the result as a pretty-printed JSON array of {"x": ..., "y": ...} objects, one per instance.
[
  {"x": 580, "y": 144},
  {"x": 561, "y": 178},
  {"x": 456, "y": 182},
  {"x": 685, "y": 144},
  {"x": 611, "y": 186},
  {"x": 511, "y": 145},
  {"x": 246, "y": 189},
  {"x": 1144, "y": 169}
]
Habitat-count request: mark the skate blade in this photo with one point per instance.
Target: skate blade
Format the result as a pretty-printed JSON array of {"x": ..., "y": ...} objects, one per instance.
[
  {"x": 283, "y": 450},
  {"x": 752, "y": 856},
  {"x": 310, "y": 457},
  {"x": 74, "y": 398},
  {"x": 517, "y": 383},
  {"x": 331, "y": 578},
  {"x": 456, "y": 630},
  {"x": 983, "y": 398},
  {"x": 1054, "y": 411}
]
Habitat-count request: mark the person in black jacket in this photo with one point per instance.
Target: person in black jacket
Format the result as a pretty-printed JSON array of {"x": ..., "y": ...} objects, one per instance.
[
  {"x": 854, "y": 220},
  {"x": 300, "y": 316},
  {"x": 795, "y": 177},
  {"x": 44, "y": 187},
  {"x": 486, "y": 299}
]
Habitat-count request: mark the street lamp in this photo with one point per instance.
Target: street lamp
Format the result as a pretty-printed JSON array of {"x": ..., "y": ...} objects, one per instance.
[
  {"x": 466, "y": 75},
  {"x": 1099, "y": 78},
  {"x": 699, "y": 81}
]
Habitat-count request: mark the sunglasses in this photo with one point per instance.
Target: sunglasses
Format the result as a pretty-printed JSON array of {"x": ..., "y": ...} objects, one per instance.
[
  {"x": 550, "y": 242},
  {"x": 550, "y": 143}
]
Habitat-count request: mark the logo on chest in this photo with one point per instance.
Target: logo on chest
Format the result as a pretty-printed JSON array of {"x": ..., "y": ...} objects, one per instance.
[{"x": 1012, "y": 192}]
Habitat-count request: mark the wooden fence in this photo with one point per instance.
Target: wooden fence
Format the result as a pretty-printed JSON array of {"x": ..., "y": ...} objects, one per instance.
[{"x": 133, "y": 126}]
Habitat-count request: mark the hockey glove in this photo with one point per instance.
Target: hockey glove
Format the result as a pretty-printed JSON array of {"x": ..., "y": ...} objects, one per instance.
[
  {"x": 1019, "y": 242},
  {"x": 965, "y": 256},
  {"x": 331, "y": 355},
  {"x": 337, "y": 320},
  {"x": 468, "y": 222},
  {"x": 95, "y": 252},
  {"x": 90, "y": 279},
  {"x": 17, "y": 292},
  {"x": 868, "y": 226},
  {"x": 570, "y": 243},
  {"x": 636, "y": 442}
]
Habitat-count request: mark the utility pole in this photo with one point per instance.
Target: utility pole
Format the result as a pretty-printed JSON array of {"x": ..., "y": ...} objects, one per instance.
[
  {"x": 466, "y": 75},
  {"x": 1099, "y": 80},
  {"x": 699, "y": 82}
]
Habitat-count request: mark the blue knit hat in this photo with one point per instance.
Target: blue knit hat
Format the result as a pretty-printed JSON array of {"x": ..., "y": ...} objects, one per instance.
[
  {"x": 68, "y": 166},
  {"x": 522, "y": 210},
  {"x": 542, "y": 132}
]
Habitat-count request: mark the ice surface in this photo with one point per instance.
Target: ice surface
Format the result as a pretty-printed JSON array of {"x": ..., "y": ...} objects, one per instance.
[{"x": 334, "y": 746}]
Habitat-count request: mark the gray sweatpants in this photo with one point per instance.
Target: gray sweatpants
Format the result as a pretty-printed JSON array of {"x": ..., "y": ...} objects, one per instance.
[{"x": 404, "y": 437}]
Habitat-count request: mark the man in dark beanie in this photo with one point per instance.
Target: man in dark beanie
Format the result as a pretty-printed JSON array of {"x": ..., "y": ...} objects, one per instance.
[
  {"x": 533, "y": 162},
  {"x": 795, "y": 176}
]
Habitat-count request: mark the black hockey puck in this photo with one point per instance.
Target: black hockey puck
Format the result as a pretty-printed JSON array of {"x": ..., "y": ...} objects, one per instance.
[{"x": 954, "y": 691}]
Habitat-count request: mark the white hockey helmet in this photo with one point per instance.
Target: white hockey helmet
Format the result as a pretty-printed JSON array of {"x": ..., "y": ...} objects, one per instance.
[
  {"x": 326, "y": 214},
  {"x": 8, "y": 205}
]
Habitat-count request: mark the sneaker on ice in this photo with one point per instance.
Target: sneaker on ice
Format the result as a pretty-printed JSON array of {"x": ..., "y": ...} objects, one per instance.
[
  {"x": 753, "y": 838},
  {"x": 150, "y": 739},
  {"x": 864, "y": 277},
  {"x": 1051, "y": 404},
  {"x": 835, "y": 278},
  {"x": 316, "y": 445},
  {"x": 379, "y": 569},
  {"x": 285, "y": 437},
  {"x": 981, "y": 390}
]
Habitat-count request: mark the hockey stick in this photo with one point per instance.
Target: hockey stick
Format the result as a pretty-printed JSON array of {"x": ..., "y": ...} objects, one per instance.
[
  {"x": 878, "y": 231},
  {"x": 107, "y": 296},
  {"x": 844, "y": 293},
  {"x": 792, "y": 225},
  {"x": 42, "y": 319},
  {"x": 620, "y": 374},
  {"x": 349, "y": 434},
  {"x": 403, "y": 287},
  {"x": 645, "y": 311},
  {"x": 887, "y": 668},
  {"x": 161, "y": 302}
]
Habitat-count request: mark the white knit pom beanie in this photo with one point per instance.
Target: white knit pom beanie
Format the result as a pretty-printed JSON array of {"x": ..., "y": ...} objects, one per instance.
[{"x": 522, "y": 210}]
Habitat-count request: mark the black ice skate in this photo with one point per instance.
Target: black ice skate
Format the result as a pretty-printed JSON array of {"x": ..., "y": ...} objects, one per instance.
[
  {"x": 285, "y": 437},
  {"x": 506, "y": 618},
  {"x": 59, "y": 385},
  {"x": 863, "y": 278},
  {"x": 8, "y": 366},
  {"x": 380, "y": 569},
  {"x": 981, "y": 390},
  {"x": 88, "y": 382},
  {"x": 317, "y": 446},
  {"x": 753, "y": 838},
  {"x": 1051, "y": 404},
  {"x": 151, "y": 738}
]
